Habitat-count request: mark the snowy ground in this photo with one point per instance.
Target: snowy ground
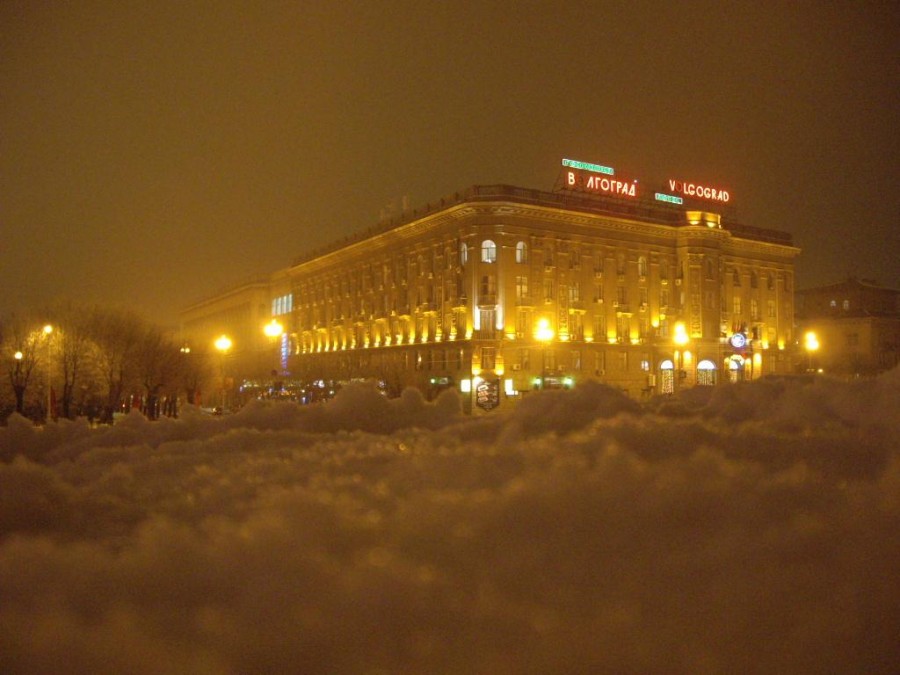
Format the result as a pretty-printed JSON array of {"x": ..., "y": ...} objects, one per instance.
[{"x": 750, "y": 529}]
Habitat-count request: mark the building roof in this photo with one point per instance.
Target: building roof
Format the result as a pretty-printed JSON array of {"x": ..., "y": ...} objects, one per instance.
[
  {"x": 642, "y": 210},
  {"x": 850, "y": 284}
]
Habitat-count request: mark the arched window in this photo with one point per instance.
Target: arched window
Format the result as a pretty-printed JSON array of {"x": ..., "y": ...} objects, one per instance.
[
  {"x": 463, "y": 253},
  {"x": 706, "y": 373},
  {"x": 521, "y": 252},
  {"x": 488, "y": 251}
]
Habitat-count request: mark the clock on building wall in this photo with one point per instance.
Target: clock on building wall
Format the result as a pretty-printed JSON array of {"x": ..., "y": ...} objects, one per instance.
[{"x": 738, "y": 340}]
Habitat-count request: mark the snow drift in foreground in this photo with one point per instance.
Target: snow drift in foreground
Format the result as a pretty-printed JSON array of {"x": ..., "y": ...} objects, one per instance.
[{"x": 751, "y": 528}]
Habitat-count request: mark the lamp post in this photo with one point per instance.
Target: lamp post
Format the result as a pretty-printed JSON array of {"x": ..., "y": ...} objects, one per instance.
[
  {"x": 811, "y": 344},
  {"x": 18, "y": 386},
  {"x": 680, "y": 339},
  {"x": 48, "y": 330},
  {"x": 274, "y": 330},
  {"x": 223, "y": 344},
  {"x": 543, "y": 334}
]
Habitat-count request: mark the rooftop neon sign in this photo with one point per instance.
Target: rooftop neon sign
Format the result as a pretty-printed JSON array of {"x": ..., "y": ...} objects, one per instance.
[
  {"x": 700, "y": 191},
  {"x": 586, "y": 166}
]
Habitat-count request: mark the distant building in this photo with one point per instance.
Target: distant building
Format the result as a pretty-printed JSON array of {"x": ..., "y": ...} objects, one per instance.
[
  {"x": 857, "y": 324},
  {"x": 497, "y": 291}
]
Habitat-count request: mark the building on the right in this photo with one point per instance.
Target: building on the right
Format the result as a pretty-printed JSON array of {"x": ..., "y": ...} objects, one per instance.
[{"x": 849, "y": 329}]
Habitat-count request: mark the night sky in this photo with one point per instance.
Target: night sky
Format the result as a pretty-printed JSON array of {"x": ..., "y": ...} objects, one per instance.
[{"x": 153, "y": 153}]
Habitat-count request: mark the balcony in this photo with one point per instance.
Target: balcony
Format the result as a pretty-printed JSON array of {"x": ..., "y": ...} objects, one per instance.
[
  {"x": 487, "y": 299},
  {"x": 462, "y": 302}
]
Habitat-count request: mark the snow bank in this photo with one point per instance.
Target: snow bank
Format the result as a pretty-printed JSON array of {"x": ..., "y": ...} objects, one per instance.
[{"x": 747, "y": 529}]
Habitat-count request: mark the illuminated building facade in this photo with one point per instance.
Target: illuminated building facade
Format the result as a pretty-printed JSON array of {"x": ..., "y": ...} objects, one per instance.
[
  {"x": 856, "y": 324},
  {"x": 498, "y": 291}
]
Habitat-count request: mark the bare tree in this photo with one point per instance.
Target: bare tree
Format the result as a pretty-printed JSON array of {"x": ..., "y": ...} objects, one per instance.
[
  {"x": 20, "y": 341},
  {"x": 76, "y": 350},
  {"x": 117, "y": 335},
  {"x": 157, "y": 362}
]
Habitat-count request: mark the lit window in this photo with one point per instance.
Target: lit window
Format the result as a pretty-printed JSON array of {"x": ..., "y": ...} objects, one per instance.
[
  {"x": 846, "y": 305},
  {"x": 642, "y": 266},
  {"x": 521, "y": 252},
  {"x": 463, "y": 253},
  {"x": 488, "y": 251},
  {"x": 521, "y": 288}
]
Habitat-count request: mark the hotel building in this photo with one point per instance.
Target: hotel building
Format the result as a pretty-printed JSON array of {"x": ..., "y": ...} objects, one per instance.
[{"x": 498, "y": 291}]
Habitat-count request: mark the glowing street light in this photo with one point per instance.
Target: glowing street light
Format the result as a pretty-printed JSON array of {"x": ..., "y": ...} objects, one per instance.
[
  {"x": 811, "y": 344},
  {"x": 223, "y": 344},
  {"x": 273, "y": 329},
  {"x": 543, "y": 332}
]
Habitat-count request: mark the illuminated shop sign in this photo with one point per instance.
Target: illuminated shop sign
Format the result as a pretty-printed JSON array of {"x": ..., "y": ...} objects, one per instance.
[{"x": 700, "y": 191}]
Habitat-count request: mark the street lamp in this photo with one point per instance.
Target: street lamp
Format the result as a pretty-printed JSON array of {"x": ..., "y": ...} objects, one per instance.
[
  {"x": 18, "y": 386},
  {"x": 48, "y": 329},
  {"x": 680, "y": 339},
  {"x": 543, "y": 333},
  {"x": 274, "y": 330},
  {"x": 223, "y": 344},
  {"x": 811, "y": 344}
]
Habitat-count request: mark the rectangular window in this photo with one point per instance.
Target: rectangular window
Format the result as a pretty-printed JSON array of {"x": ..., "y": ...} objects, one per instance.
[
  {"x": 576, "y": 360},
  {"x": 622, "y": 328},
  {"x": 523, "y": 323},
  {"x": 600, "y": 326},
  {"x": 521, "y": 288},
  {"x": 737, "y": 305},
  {"x": 548, "y": 290},
  {"x": 488, "y": 317},
  {"x": 575, "y": 292},
  {"x": 488, "y": 358},
  {"x": 576, "y": 326}
]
